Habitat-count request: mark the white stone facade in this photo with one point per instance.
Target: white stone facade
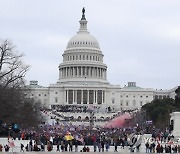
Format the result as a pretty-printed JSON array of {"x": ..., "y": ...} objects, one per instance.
[
  {"x": 175, "y": 123},
  {"x": 82, "y": 79}
]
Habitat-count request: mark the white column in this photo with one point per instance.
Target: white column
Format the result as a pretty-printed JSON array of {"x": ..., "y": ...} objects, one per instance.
[
  {"x": 85, "y": 72},
  {"x": 67, "y": 96},
  {"x": 102, "y": 97},
  {"x": 73, "y": 97},
  {"x": 76, "y": 96},
  {"x": 102, "y": 73},
  {"x": 66, "y": 71},
  {"x": 89, "y": 71},
  {"x": 96, "y": 96},
  {"x": 69, "y": 71},
  {"x": 94, "y": 72},
  {"x": 73, "y": 71},
  {"x": 81, "y": 96},
  {"x": 87, "y": 96},
  {"x": 94, "y": 99},
  {"x": 81, "y": 71},
  {"x": 60, "y": 73},
  {"x": 77, "y": 71},
  {"x": 99, "y": 72},
  {"x": 63, "y": 72}
]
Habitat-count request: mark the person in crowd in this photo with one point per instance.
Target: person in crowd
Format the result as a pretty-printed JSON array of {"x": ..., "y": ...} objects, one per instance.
[
  {"x": 174, "y": 148},
  {"x": 102, "y": 145},
  {"x": 27, "y": 147},
  {"x": 62, "y": 146},
  {"x": 31, "y": 145},
  {"x": 1, "y": 147},
  {"x": 178, "y": 148},
  {"x": 147, "y": 147},
  {"x": 115, "y": 145},
  {"x": 42, "y": 147},
  {"x": 76, "y": 145},
  {"x": 36, "y": 148},
  {"x": 84, "y": 149},
  {"x": 6, "y": 148},
  {"x": 107, "y": 145},
  {"x": 58, "y": 147},
  {"x": 158, "y": 148},
  {"x": 170, "y": 149},
  {"x": 95, "y": 145},
  {"x": 70, "y": 146},
  {"x": 166, "y": 148},
  {"x": 153, "y": 146},
  {"x": 87, "y": 149},
  {"x": 99, "y": 146},
  {"x": 22, "y": 148},
  {"x": 161, "y": 149},
  {"x": 49, "y": 146},
  {"x": 65, "y": 145}
]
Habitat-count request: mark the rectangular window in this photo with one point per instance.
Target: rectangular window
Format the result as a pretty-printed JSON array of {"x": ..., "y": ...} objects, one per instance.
[
  {"x": 91, "y": 96},
  {"x": 127, "y": 103},
  {"x": 84, "y": 96},
  {"x": 56, "y": 99},
  {"x": 70, "y": 96},
  {"x": 121, "y": 103},
  {"x": 99, "y": 97},
  {"x": 141, "y": 103}
]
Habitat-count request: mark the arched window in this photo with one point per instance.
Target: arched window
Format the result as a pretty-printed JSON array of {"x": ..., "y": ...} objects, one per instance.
[
  {"x": 79, "y": 118},
  {"x": 86, "y": 118}
]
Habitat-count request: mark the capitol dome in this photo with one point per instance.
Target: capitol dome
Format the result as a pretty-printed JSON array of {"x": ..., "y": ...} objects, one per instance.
[{"x": 82, "y": 59}]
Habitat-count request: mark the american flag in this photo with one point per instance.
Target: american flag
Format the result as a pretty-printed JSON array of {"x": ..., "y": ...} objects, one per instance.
[{"x": 80, "y": 138}]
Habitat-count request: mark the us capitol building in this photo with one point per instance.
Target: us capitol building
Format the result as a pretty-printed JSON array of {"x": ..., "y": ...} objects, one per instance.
[{"x": 83, "y": 79}]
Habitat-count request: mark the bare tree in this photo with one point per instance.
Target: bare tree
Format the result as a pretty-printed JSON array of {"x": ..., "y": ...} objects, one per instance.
[
  {"x": 12, "y": 69},
  {"x": 15, "y": 107}
]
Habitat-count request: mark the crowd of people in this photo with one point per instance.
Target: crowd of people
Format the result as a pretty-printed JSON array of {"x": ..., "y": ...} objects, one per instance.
[
  {"x": 67, "y": 137},
  {"x": 64, "y": 136},
  {"x": 74, "y": 108},
  {"x": 60, "y": 112}
]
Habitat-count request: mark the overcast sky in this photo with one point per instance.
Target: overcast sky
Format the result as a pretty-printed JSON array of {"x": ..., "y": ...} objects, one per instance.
[{"x": 140, "y": 39}]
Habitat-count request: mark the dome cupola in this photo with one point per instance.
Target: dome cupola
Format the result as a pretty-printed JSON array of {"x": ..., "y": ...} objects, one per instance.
[{"x": 83, "y": 38}]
